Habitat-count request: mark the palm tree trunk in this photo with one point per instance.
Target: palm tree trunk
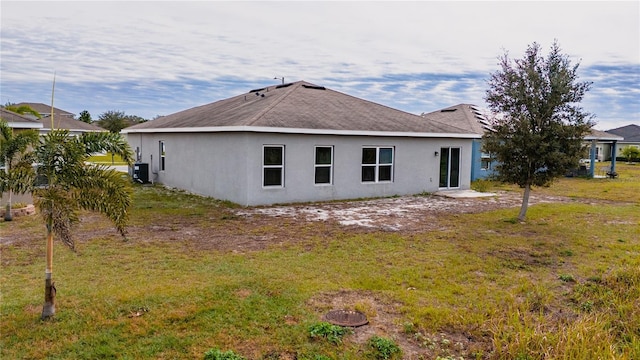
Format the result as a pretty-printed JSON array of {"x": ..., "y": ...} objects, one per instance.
[
  {"x": 7, "y": 214},
  {"x": 49, "y": 308},
  {"x": 525, "y": 203}
]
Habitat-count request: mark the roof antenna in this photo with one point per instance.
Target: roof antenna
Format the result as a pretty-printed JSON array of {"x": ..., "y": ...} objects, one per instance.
[{"x": 279, "y": 78}]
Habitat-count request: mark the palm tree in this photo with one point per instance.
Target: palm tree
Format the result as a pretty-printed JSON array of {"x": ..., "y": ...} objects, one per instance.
[
  {"x": 71, "y": 184},
  {"x": 17, "y": 161}
]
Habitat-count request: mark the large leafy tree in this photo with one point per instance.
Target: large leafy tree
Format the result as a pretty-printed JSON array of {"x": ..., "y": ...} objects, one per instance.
[
  {"x": 69, "y": 184},
  {"x": 85, "y": 116},
  {"x": 537, "y": 136},
  {"x": 115, "y": 121},
  {"x": 17, "y": 160}
]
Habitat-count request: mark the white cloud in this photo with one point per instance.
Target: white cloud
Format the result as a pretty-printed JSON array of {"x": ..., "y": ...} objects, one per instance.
[{"x": 346, "y": 45}]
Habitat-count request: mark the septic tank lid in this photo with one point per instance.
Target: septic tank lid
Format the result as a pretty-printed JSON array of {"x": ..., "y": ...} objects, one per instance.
[{"x": 346, "y": 318}]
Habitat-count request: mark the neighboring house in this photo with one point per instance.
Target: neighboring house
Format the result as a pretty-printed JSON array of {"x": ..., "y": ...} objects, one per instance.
[
  {"x": 74, "y": 126},
  {"x": 602, "y": 147},
  {"x": 300, "y": 142},
  {"x": 630, "y": 137},
  {"x": 18, "y": 123},
  {"x": 468, "y": 117},
  {"x": 61, "y": 120},
  {"x": 45, "y": 110}
]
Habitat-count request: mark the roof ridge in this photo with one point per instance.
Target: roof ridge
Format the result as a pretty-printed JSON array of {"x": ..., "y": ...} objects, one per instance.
[{"x": 288, "y": 92}]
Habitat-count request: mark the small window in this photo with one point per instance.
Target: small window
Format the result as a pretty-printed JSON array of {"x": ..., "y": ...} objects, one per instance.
[
  {"x": 377, "y": 164},
  {"x": 273, "y": 166},
  {"x": 162, "y": 155},
  {"x": 324, "y": 165}
]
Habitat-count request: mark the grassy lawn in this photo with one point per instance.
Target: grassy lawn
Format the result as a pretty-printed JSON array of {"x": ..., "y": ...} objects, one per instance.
[
  {"x": 108, "y": 159},
  {"x": 563, "y": 285}
]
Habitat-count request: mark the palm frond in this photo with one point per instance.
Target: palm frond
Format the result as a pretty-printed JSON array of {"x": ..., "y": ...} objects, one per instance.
[
  {"x": 106, "y": 191},
  {"x": 107, "y": 141},
  {"x": 57, "y": 207},
  {"x": 73, "y": 184}
]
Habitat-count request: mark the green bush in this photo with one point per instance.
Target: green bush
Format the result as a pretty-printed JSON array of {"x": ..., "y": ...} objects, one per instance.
[
  {"x": 217, "y": 354},
  {"x": 481, "y": 185},
  {"x": 384, "y": 348},
  {"x": 333, "y": 333}
]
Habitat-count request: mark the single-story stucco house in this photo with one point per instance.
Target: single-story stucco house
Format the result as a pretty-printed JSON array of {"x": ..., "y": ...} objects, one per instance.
[
  {"x": 299, "y": 142},
  {"x": 62, "y": 119},
  {"x": 18, "y": 123}
]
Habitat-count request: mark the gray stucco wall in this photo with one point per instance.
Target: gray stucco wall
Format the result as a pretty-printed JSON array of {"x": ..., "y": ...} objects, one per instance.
[{"x": 229, "y": 165}]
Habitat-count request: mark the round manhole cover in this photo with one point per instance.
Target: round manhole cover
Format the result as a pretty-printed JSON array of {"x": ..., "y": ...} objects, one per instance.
[{"x": 346, "y": 318}]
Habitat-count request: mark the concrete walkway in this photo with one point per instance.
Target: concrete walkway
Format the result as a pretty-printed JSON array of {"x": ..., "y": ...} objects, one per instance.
[{"x": 456, "y": 194}]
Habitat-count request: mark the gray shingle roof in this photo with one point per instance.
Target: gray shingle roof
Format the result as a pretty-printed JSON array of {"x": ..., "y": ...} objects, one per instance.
[
  {"x": 16, "y": 120},
  {"x": 630, "y": 133},
  {"x": 65, "y": 122},
  {"x": 464, "y": 117},
  {"x": 602, "y": 136},
  {"x": 298, "y": 105},
  {"x": 45, "y": 110}
]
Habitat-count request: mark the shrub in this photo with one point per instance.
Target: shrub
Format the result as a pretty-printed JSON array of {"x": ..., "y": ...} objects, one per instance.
[
  {"x": 217, "y": 354},
  {"x": 384, "y": 348},
  {"x": 333, "y": 333}
]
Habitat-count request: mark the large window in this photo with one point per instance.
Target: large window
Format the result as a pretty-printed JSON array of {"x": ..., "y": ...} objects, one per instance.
[
  {"x": 324, "y": 165},
  {"x": 377, "y": 164},
  {"x": 273, "y": 165},
  {"x": 162, "y": 151}
]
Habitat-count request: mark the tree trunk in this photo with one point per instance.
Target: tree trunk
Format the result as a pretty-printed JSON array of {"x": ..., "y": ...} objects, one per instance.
[
  {"x": 49, "y": 308},
  {"x": 7, "y": 213},
  {"x": 525, "y": 203}
]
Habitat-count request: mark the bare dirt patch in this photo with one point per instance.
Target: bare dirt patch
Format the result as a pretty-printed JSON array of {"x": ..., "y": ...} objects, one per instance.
[
  {"x": 404, "y": 213},
  {"x": 256, "y": 228}
]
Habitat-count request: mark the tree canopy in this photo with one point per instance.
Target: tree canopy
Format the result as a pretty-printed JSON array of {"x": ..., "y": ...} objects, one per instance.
[
  {"x": 537, "y": 135},
  {"x": 630, "y": 153},
  {"x": 114, "y": 120},
  {"x": 85, "y": 116},
  {"x": 22, "y": 109}
]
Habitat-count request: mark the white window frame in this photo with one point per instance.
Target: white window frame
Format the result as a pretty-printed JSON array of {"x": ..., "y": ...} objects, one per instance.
[
  {"x": 281, "y": 166},
  {"x": 316, "y": 165},
  {"x": 162, "y": 158},
  {"x": 377, "y": 164}
]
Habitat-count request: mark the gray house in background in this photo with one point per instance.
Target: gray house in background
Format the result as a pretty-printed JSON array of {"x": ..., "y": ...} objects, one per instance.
[
  {"x": 630, "y": 135},
  {"x": 300, "y": 142},
  {"x": 468, "y": 117}
]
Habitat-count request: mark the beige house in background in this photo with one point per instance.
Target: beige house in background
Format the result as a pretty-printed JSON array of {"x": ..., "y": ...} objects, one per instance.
[{"x": 61, "y": 119}]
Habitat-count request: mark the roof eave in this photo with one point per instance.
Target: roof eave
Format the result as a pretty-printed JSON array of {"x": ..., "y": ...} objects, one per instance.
[
  {"x": 603, "y": 138},
  {"x": 24, "y": 125},
  {"x": 281, "y": 130}
]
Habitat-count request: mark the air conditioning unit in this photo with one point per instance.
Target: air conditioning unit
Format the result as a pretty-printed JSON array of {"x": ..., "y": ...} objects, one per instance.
[{"x": 141, "y": 173}]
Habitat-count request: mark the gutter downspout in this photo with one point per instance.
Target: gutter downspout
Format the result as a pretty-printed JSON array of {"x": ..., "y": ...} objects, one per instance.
[{"x": 592, "y": 169}]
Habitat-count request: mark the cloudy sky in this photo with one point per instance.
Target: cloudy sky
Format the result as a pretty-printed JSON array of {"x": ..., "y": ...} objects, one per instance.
[{"x": 152, "y": 58}]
